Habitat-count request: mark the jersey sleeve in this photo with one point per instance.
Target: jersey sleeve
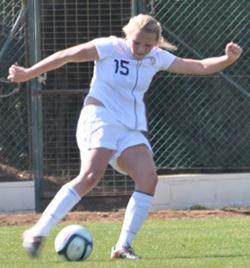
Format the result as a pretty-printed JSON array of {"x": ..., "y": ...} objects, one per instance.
[
  {"x": 165, "y": 59},
  {"x": 104, "y": 46}
]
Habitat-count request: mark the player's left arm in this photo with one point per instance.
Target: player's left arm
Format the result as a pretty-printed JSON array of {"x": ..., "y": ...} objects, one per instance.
[{"x": 209, "y": 65}]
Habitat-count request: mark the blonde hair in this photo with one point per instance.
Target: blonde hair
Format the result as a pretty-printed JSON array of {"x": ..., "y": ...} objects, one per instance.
[{"x": 148, "y": 24}]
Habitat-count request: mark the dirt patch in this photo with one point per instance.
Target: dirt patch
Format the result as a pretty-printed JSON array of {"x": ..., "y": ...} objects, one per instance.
[{"x": 76, "y": 217}]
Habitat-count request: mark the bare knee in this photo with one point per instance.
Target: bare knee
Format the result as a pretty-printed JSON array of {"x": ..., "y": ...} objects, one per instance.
[
  {"x": 87, "y": 180},
  {"x": 153, "y": 181},
  {"x": 92, "y": 176},
  {"x": 147, "y": 183}
]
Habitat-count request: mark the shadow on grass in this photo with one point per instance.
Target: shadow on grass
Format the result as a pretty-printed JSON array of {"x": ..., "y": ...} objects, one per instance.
[{"x": 199, "y": 257}]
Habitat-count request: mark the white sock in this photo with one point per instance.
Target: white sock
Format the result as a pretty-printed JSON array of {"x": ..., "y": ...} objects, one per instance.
[
  {"x": 135, "y": 215},
  {"x": 65, "y": 199}
]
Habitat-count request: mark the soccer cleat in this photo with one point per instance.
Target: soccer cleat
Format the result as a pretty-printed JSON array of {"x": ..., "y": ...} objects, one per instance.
[
  {"x": 124, "y": 253},
  {"x": 31, "y": 244}
]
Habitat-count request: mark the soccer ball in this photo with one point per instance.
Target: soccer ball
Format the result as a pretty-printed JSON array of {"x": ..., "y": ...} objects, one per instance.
[{"x": 74, "y": 242}]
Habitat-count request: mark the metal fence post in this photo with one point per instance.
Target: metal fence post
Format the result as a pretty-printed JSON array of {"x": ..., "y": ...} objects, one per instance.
[
  {"x": 36, "y": 100},
  {"x": 138, "y": 6}
]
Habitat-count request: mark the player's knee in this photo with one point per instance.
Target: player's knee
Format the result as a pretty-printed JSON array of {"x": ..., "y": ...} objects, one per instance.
[
  {"x": 90, "y": 177},
  {"x": 151, "y": 177},
  {"x": 147, "y": 183},
  {"x": 94, "y": 175},
  {"x": 154, "y": 180}
]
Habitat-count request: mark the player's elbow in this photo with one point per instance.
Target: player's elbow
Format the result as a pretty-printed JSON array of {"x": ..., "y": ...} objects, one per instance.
[{"x": 64, "y": 56}]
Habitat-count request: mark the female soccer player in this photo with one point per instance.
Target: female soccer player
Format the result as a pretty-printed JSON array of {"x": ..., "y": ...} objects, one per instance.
[{"x": 113, "y": 116}]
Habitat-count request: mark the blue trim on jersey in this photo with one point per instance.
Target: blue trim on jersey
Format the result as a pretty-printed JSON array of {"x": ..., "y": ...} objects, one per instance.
[{"x": 133, "y": 90}]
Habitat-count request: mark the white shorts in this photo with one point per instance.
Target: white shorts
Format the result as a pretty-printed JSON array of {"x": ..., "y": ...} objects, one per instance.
[{"x": 97, "y": 128}]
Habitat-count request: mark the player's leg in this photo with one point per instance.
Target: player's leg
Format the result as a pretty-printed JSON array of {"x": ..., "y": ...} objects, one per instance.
[
  {"x": 138, "y": 163},
  {"x": 92, "y": 132},
  {"x": 93, "y": 165}
]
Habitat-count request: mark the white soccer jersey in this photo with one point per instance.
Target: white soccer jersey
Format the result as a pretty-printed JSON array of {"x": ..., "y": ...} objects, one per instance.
[{"x": 120, "y": 81}]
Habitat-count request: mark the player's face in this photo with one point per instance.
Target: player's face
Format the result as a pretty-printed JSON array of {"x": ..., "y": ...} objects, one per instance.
[{"x": 141, "y": 43}]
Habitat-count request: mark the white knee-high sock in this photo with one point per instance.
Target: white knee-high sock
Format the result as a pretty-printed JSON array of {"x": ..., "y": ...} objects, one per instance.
[
  {"x": 135, "y": 215},
  {"x": 65, "y": 199}
]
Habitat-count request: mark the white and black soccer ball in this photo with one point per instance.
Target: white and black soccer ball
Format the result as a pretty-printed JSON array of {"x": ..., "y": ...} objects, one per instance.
[{"x": 74, "y": 242}]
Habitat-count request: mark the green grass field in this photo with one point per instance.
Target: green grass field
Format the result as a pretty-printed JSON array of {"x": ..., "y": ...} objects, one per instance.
[{"x": 188, "y": 243}]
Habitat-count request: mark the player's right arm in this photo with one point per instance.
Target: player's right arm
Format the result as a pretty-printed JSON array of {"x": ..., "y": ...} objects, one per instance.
[{"x": 79, "y": 53}]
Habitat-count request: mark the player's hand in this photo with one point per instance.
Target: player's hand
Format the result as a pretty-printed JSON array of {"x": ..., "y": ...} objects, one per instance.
[
  {"x": 233, "y": 51},
  {"x": 18, "y": 74}
]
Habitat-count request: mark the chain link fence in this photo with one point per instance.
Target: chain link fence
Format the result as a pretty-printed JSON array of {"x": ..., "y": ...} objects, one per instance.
[
  {"x": 202, "y": 123},
  {"x": 64, "y": 24},
  {"x": 14, "y": 110},
  {"x": 197, "y": 124}
]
